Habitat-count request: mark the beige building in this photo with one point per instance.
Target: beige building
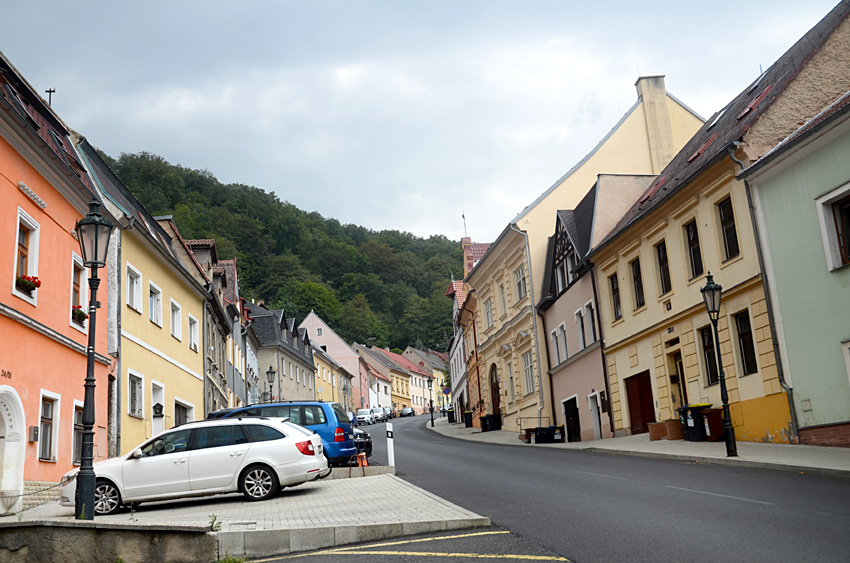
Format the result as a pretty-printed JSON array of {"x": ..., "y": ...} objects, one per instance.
[
  {"x": 695, "y": 219},
  {"x": 508, "y": 278}
]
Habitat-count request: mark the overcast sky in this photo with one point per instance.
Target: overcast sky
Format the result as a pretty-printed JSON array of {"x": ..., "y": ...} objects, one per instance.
[{"x": 388, "y": 114}]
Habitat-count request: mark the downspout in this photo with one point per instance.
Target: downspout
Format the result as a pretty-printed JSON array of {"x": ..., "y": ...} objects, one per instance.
[
  {"x": 602, "y": 346},
  {"x": 533, "y": 324},
  {"x": 789, "y": 392}
]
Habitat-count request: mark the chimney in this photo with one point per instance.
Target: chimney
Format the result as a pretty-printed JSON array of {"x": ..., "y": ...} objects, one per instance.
[{"x": 653, "y": 94}]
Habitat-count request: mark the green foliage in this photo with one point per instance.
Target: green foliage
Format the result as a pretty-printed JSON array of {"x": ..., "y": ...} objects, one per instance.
[{"x": 385, "y": 288}]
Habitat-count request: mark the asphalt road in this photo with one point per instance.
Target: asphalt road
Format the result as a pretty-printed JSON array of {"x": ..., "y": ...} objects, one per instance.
[{"x": 598, "y": 507}]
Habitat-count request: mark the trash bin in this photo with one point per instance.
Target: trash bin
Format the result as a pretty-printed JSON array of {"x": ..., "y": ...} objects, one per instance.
[
  {"x": 467, "y": 419},
  {"x": 495, "y": 421},
  {"x": 695, "y": 422},
  {"x": 713, "y": 423},
  {"x": 485, "y": 424},
  {"x": 451, "y": 414},
  {"x": 683, "y": 419},
  {"x": 545, "y": 434},
  {"x": 560, "y": 434}
]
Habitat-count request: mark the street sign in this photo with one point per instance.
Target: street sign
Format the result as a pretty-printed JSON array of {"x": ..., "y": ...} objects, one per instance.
[{"x": 447, "y": 391}]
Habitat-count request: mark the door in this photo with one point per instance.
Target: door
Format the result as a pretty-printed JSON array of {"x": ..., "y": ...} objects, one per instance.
[
  {"x": 495, "y": 394},
  {"x": 573, "y": 425},
  {"x": 678, "y": 389},
  {"x": 215, "y": 461},
  {"x": 593, "y": 402},
  {"x": 162, "y": 470},
  {"x": 641, "y": 405}
]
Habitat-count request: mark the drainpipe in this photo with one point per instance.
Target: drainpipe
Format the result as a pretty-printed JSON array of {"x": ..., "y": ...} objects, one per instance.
[
  {"x": 533, "y": 323},
  {"x": 789, "y": 392}
]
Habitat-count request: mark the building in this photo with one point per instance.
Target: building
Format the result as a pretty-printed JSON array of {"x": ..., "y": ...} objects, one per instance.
[
  {"x": 285, "y": 349},
  {"x": 333, "y": 382},
  {"x": 457, "y": 349}
]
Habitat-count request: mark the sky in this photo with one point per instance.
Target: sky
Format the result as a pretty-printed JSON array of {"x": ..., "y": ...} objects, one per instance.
[{"x": 389, "y": 114}]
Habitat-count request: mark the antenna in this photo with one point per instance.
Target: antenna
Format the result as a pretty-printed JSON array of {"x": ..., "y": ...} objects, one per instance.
[
  {"x": 463, "y": 216},
  {"x": 50, "y": 92}
]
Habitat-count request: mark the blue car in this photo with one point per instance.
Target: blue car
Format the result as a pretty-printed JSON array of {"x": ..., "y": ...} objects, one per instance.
[{"x": 328, "y": 420}]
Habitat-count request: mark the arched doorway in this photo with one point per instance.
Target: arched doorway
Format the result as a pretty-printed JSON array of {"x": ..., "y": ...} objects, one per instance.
[
  {"x": 12, "y": 450},
  {"x": 495, "y": 394}
]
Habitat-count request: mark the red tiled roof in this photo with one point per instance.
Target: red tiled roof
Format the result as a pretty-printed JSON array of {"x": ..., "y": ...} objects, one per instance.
[
  {"x": 404, "y": 362},
  {"x": 478, "y": 250}
]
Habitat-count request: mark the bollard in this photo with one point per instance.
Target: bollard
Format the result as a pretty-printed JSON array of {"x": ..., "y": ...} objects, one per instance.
[{"x": 390, "y": 448}]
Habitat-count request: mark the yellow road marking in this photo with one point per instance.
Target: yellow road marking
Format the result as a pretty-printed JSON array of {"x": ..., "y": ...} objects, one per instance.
[{"x": 361, "y": 550}]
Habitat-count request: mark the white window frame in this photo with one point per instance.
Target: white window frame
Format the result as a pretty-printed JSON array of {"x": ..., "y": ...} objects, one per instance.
[
  {"x": 504, "y": 301},
  {"x": 528, "y": 372},
  {"x": 186, "y": 405},
  {"x": 582, "y": 334},
  {"x": 589, "y": 314},
  {"x": 827, "y": 225},
  {"x": 571, "y": 266},
  {"x": 57, "y": 421},
  {"x": 176, "y": 328},
  {"x": 519, "y": 281},
  {"x": 155, "y": 312},
  {"x": 557, "y": 352},
  {"x": 134, "y": 298},
  {"x": 32, "y": 255},
  {"x": 140, "y": 411},
  {"x": 193, "y": 332},
  {"x": 488, "y": 312},
  {"x": 77, "y": 261},
  {"x": 73, "y": 424},
  {"x": 319, "y": 331},
  {"x": 511, "y": 393},
  {"x": 562, "y": 340}
]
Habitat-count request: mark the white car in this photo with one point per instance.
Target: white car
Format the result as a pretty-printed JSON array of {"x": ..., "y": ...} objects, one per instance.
[
  {"x": 255, "y": 456},
  {"x": 365, "y": 416}
]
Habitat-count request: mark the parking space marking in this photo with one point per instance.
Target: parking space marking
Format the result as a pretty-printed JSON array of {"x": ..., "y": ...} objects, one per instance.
[{"x": 374, "y": 549}]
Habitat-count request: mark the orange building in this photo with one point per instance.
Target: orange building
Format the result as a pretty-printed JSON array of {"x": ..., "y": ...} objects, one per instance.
[{"x": 43, "y": 341}]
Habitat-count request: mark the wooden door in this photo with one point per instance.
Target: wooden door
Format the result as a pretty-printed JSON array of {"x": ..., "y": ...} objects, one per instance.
[
  {"x": 573, "y": 424},
  {"x": 495, "y": 393},
  {"x": 641, "y": 405}
]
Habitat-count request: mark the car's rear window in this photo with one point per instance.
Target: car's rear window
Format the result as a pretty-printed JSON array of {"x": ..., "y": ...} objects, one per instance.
[
  {"x": 216, "y": 436},
  {"x": 260, "y": 433},
  {"x": 280, "y": 411},
  {"x": 341, "y": 415}
]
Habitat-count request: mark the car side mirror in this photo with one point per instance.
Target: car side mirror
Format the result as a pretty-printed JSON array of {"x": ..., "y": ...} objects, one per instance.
[{"x": 137, "y": 453}]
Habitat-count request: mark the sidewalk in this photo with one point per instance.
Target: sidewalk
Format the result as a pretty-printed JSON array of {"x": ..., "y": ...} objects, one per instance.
[{"x": 784, "y": 457}]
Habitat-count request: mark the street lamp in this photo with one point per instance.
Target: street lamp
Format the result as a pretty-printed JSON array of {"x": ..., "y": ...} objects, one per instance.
[
  {"x": 431, "y": 392},
  {"x": 270, "y": 376},
  {"x": 711, "y": 295},
  {"x": 93, "y": 232}
]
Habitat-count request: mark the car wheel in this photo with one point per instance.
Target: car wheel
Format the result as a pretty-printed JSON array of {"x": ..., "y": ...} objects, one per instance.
[
  {"x": 107, "y": 499},
  {"x": 259, "y": 483}
]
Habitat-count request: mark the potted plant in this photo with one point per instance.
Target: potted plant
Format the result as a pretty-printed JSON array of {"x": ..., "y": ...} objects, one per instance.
[
  {"x": 78, "y": 314},
  {"x": 27, "y": 284}
]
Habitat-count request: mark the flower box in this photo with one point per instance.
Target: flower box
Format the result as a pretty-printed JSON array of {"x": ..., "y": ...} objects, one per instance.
[
  {"x": 27, "y": 284},
  {"x": 78, "y": 315}
]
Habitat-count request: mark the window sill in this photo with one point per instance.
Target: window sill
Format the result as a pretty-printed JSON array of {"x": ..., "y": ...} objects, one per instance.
[
  {"x": 734, "y": 259},
  {"x": 696, "y": 279},
  {"x": 639, "y": 310},
  {"x": 29, "y": 298},
  {"x": 51, "y": 460},
  {"x": 617, "y": 322},
  {"x": 136, "y": 416},
  {"x": 665, "y": 296}
]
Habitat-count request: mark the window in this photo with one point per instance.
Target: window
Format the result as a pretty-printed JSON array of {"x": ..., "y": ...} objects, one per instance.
[
  {"x": 76, "y": 282},
  {"x": 745, "y": 343},
  {"x": 588, "y": 313},
  {"x": 841, "y": 215},
  {"x": 155, "y": 303},
  {"x": 182, "y": 414},
  {"x": 264, "y": 433},
  {"x": 502, "y": 297},
  {"x": 562, "y": 340},
  {"x": 488, "y": 313},
  {"x": 176, "y": 320},
  {"x": 78, "y": 314},
  {"x": 834, "y": 218},
  {"x": 555, "y": 350},
  {"x": 26, "y": 254},
  {"x": 528, "y": 372},
  {"x": 637, "y": 284},
  {"x": 176, "y": 441},
  {"x": 571, "y": 266},
  {"x": 727, "y": 227},
  {"x": 663, "y": 267},
  {"x": 511, "y": 396},
  {"x": 77, "y": 452},
  {"x": 615, "y": 297},
  {"x": 519, "y": 278},
  {"x": 318, "y": 332},
  {"x": 134, "y": 288},
  {"x": 560, "y": 282},
  {"x": 193, "y": 333},
  {"x": 45, "y": 431},
  {"x": 708, "y": 355},
  {"x": 694, "y": 254},
  {"x": 135, "y": 396},
  {"x": 582, "y": 336},
  {"x": 23, "y": 251}
]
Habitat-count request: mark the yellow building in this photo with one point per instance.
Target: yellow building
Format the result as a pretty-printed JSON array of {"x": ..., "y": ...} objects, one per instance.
[
  {"x": 332, "y": 381},
  {"x": 507, "y": 281},
  {"x": 695, "y": 219}
]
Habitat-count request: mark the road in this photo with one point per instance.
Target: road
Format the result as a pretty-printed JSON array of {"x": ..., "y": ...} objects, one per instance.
[{"x": 598, "y": 507}]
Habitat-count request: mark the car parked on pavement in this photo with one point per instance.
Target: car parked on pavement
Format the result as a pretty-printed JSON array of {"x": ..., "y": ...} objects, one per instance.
[
  {"x": 379, "y": 414},
  {"x": 407, "y": 411},
  {"x": 388, "y": 411},
  {"x": 328, "y": 420},
  {"x": 365, "y": 416},
  {"x": 363, "y": 441},
  {"x": 256, "y": 456}
]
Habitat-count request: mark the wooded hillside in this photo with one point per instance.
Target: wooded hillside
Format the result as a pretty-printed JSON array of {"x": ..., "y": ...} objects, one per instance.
[{"x": 385, "y": 287}]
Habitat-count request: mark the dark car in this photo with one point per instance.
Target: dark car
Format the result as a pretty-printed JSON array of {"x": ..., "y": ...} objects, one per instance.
[
  {"x": 407, "y": 411},
  {"x": 328, "y": 420},
  {"x": 363, "y": 441}
]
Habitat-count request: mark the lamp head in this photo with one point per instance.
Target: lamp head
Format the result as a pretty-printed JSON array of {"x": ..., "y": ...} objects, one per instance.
[
  {"x": 270, "y": 375},
  {"x": 93, "y": 232},
  {"x": 711, "y": 295}
]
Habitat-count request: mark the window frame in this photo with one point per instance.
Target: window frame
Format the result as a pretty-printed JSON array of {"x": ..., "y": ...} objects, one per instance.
[
  {"x": 662, "y": 261},
  {"x": 724, "y": 223},
  {"x": 712, "y": 376},
  {"x": 54, "y": 420},
  {"x": 742, "y": 342},
  {"x": 78, "y": 291},
  {"x": 511, "y": 392},
  {"x": 77, "y": 431},
  {"x": 519, "y": 282},
  {"x": 32, "y": 251},
  {"x": 503, "y": 299},
  {"x": 193, "y": 332},
  {"x": 836, "y": 243},
  {"x": 155, "y": 306},
  {"x": 562, "y": 340},
  {"x": 589, "y": 314},
  {"x": 616, "y": 303},
  {"x": 140, "y": 394},
  {"x": 638, "y": 292},
  {"x": 582, "y": 334},
  {"x": 187, "y": 406},
  {"x": 176, "y": 332},
  {"x": 555, "y": 348},
  {"x": 488, "y": 313},
  {"x": 693, "y": 248},
  {"x": 134, "y": 290},
  {"x": 528, "y": 372}
]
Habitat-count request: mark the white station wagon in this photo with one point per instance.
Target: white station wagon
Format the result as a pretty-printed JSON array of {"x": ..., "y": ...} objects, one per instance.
[{"x": 255, "y": 456}]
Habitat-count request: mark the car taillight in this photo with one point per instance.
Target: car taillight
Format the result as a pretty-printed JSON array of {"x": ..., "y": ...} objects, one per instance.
[
  {"x": 306, "y": 447},
  {"x": 339, "y": 435}
]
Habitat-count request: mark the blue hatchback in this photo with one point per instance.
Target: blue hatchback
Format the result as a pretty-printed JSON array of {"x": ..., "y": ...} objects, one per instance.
[{"x": 328, "y": 420}]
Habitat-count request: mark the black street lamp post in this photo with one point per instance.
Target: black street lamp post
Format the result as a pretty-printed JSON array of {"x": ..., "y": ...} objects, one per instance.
[
  {"x": 270, "y": 376},
  {"x": 93, "y": 232},
  {"x": 431, "y": 392},
  {"x": 711, "y": 296}
]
